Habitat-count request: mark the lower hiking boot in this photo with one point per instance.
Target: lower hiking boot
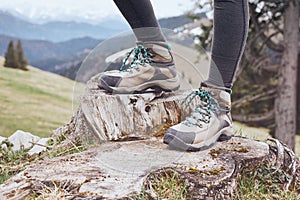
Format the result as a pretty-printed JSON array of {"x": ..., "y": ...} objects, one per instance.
[
  {"x": 150, "y": 67},
  {"x": 203, "y": 127}
]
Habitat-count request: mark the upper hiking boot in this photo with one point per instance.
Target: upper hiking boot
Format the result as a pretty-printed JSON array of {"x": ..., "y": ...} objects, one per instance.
[
  {"x": 203, "y": 127},
  {"x": 147, "y": 66}
]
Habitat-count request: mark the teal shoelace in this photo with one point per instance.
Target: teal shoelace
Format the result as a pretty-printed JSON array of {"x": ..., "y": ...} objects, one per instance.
[
  {"x": 203, "y": 111},
  {"x": 141, "y": 56}
]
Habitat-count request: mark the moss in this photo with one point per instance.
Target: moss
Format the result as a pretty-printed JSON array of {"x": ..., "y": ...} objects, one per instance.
[
  {"x": 241, "y": 150},
  {"x": 214, "y": 153},
  {"x": 215, "y": 171}
]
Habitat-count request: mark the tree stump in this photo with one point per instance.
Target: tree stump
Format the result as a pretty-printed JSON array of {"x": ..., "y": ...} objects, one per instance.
[
  {"x": 131, "y": 154},
  {"x": 121, "y": 170},
  {"x": 106, "y": 117}
]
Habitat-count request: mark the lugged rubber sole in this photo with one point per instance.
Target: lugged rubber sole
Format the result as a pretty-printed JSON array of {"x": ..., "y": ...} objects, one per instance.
[
  {"x": 156, "y": 86},
  {"x": 177, "y": 143}
]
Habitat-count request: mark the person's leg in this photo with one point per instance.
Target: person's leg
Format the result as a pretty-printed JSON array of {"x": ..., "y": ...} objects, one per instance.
[
  {"x": 141, "y": 18},
  {"x": 212, "y": 118},
  {"x": 229, "y": 38},
  {"x": 150, "y": 64}
]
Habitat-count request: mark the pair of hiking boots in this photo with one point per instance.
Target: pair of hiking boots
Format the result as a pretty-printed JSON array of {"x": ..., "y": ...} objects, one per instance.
[{"x": 151, "y": 66}]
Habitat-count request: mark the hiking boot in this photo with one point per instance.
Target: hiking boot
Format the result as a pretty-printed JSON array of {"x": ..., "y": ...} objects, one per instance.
[
  {"x": 203, "y": 127},
  {"x": 150, "y": 67}
]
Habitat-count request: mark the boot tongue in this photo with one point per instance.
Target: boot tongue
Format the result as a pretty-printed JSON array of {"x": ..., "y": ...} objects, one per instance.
[
  {"x": 160, "y": 49},
  {"x": 222, "y": 96}
]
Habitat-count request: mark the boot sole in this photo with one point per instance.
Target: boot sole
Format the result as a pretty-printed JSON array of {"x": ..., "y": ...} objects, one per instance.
[
  {"x": 156, "y": 86},
  {"x": 177, "y": 143}
]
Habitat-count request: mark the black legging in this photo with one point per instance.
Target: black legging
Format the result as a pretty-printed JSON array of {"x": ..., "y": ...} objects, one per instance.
[
  {"x": 230, "y": 33},
  {"x": 141, "y": 18}
]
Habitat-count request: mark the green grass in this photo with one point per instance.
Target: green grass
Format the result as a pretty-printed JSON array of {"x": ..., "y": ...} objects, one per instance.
[
  {"x": 13, "y": 162},
  {"x": 166, "y": 185},
  {"x": 266, "y": 182},
  {"x": 34, "y": 101}
]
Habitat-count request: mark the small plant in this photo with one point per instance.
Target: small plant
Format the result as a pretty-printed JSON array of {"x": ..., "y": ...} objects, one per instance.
[
  {"x": 13, "y": 162},
  {"x": 238, "y": 132},
  {"x": 53, "y": 191},
  {"x": 60, "y": 149},
  {"x": 165, "y": 185},
  {"x": 266, "y": 182}
]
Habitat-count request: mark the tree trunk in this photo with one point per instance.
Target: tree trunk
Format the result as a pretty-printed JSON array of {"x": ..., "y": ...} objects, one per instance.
[
  {"x": 298, "y": 95},
  {"x": 286, "y": 101}
]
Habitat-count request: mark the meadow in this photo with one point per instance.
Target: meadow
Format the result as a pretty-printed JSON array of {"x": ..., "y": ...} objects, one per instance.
[{"x": 34, "y": 101}]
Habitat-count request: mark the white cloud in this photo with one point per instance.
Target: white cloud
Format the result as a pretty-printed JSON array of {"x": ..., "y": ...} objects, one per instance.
[{"x": 94, "y": 10}]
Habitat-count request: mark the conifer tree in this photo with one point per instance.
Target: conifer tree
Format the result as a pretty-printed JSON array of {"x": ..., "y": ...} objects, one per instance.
[
  {"x": 21, "y": 57},
  {"x": 11, "y": 57}
]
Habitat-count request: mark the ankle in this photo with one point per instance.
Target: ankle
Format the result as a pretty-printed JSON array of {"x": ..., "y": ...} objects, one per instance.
[
  {"x": 215, "y": 86},
  {"x": 161, "y": 51},
  {"x": 221, "y": 94}
]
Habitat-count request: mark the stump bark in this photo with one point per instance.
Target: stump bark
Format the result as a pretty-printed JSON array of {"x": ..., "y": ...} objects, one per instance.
[
  {"x": 131, "y": 154},
  {"x": 105, "y": 117}
]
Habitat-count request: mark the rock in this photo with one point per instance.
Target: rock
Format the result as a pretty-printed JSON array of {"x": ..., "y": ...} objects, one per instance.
[
  {"x": 21, "y": 139},
  {"x": 118, "y": 170},
  {"x": 2, "y": 139},
  {"x": 40, "y": 146}
]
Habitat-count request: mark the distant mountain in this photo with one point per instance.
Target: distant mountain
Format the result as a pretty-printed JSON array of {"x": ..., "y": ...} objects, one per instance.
[
  {"x": 57, "y": 31},
  {"x": 175, "y": 22},
  {"x": 43, "y": 51},
  {"x": 46, "y": 55}
]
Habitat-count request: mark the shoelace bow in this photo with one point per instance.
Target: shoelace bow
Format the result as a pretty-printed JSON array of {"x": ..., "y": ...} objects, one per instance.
[
  {"x": 208, "y": 104},
  {"x": 141, "y": 56}
]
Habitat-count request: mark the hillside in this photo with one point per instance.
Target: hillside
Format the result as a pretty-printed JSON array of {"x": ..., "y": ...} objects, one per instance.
[
  {"x": 46, "y": 55},
  {"x": 35, "y": 101}
]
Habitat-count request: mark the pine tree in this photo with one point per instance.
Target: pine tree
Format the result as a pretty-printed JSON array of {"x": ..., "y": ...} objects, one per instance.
[
  {"x": 21, "y": 57},
  {"x": 11, "y": 57}
]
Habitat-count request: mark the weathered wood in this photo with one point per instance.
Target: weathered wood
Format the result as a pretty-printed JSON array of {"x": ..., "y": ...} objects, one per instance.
[
  {"x": 119, "y": 170},
  {"x": 111, "y": 117}
]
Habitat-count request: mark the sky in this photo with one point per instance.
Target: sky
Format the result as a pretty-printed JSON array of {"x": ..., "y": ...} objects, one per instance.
[{"x": 86, "y": 10}]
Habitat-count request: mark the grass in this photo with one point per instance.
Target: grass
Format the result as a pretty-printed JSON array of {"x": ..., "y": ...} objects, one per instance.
[
  {"x": 53, "y": 192},
  {"x": 13, "y": 162},
  {"x": 266, "y": 182},
  {"x": 34, "y": 101},
  {"x": 259, "y": 133},
  {"x": 169, "y": 185},
  {"x": 166, "y": 185}
]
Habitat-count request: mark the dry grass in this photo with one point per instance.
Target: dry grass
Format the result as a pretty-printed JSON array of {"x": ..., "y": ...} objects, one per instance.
[{"x": 35, "y": 101}]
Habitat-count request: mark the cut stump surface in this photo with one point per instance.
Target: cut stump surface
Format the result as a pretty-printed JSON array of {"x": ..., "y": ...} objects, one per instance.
[{"x": 121, "y": 169}]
